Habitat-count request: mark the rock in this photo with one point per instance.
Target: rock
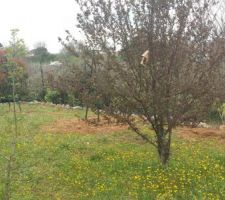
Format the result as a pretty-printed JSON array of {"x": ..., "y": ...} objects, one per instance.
[
  {"x": 134, "y": 115},
  {"x": 67, "y": 106},
  {"x": 222, "y": 127},
  {"x": 77, "y": 108},
  {"x": 203, "y": 125}
]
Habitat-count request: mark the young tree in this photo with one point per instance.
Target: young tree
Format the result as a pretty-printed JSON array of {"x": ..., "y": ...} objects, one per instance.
[
  {"x": 12, "y": 68},
  {"x": 15, "y": 76},
  {"x": 41, "y": 56},
  {"x": 80, "y": 76},
  {"x": 16, "y": 47},
  {"x": 186, "y": 52}
]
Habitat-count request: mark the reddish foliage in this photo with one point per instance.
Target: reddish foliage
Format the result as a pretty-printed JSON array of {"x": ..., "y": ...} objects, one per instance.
[
  {"x": 18, "y": 62},
  {"x": 3, "y": 52},
  {"x": 3, "y": 76}
]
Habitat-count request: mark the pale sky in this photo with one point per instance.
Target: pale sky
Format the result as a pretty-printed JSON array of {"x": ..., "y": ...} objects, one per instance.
[{"x": 38, "y": 21}]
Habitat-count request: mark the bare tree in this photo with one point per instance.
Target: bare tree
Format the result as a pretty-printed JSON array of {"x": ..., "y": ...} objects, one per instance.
[
  {"x": 186, "y": 52},
  {"x": 80, "y": 78}
]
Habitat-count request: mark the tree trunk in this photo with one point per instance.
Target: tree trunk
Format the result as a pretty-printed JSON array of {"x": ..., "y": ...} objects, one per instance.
[
  {"x": 86, "y": 113},
  {"x": 163, "y": 144},
  {"x": 19, "y": 105},
  {"x": 42, "y": 82},
  {"x": 98, "y": 114},
  {"x": 164, "y": 154},
  {"x": 9, "y": 105}
]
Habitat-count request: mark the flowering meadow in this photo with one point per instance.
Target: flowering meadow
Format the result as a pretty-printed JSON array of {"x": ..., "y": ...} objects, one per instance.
[{"x": 117, "y": 165}]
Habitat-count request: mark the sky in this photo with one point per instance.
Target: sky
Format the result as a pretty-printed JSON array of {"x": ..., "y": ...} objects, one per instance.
[{"x": 38, "y": 21}]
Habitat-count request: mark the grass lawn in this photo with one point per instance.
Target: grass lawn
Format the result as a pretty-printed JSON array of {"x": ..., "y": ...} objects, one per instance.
[{"x": 103, "y": 166}]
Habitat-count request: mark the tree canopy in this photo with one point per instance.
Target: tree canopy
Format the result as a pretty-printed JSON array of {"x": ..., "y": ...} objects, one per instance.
[{"x": 186, "y": 49}]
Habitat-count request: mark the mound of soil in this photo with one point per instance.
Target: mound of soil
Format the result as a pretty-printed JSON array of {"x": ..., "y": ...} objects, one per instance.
[{"x": 85, "y": 127}]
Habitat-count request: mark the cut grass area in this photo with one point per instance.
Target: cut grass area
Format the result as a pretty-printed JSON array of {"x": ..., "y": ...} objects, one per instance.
[{"x": 103, "y": 166}]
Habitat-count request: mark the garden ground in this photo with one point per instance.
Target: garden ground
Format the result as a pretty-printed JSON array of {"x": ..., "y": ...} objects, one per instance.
[{"x": 60, "y": 157}]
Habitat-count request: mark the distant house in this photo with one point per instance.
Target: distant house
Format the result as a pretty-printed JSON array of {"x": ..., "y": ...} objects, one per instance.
[{"x": 55, "y": 63}]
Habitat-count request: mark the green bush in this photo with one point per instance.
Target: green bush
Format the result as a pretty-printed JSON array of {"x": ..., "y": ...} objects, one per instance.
[
  {"x": 214, "y": 116},
  {"x": 53, "y": 96},
  {"x": 73, "y": 101},
  {"x": 70, "y": 100}
]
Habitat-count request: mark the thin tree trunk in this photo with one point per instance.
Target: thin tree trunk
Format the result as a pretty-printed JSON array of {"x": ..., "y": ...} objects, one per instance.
[
  {"x": 86, "y": 113},
  {"x": 7, "y": 191},
  {"x": 9, "y": 105},
  {"x": 19, "y": 105},
  {"x": 98, "y": 114},
  {"x": 42, "y": 81}
]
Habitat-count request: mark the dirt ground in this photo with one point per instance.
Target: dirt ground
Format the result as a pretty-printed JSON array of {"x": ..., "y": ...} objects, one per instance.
[
  {"x": 83, "y": 127},
  {"x": 191, "y": 134},
  {"x": 92, "y": 127}
]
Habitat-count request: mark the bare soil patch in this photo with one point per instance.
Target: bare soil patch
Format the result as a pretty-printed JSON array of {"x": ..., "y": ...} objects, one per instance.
[
  {"x": 83, "y": 127},
  {"x": 201, "y": 133},
  {"x": 104, "y": 127}
]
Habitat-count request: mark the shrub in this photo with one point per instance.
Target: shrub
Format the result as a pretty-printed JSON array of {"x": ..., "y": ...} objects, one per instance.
[{"x": 53, "y": 96}]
